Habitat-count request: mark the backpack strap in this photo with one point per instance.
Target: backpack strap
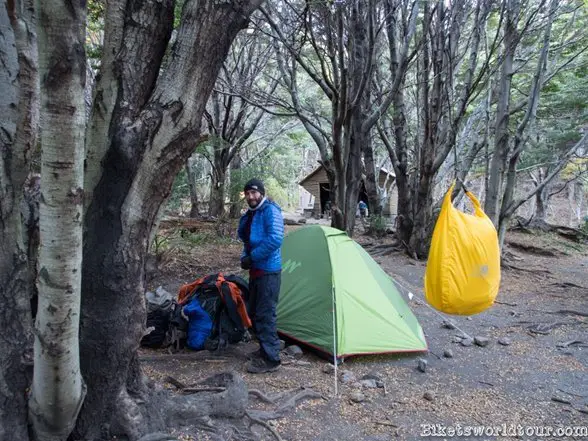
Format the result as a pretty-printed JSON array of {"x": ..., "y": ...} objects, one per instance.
[
  {"x": 186, "y": 291},
  {"x": 232, "y": 298}
]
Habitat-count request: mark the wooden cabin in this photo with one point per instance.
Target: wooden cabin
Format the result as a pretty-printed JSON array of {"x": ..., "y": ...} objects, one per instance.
[{"x": 317, "y": 184}]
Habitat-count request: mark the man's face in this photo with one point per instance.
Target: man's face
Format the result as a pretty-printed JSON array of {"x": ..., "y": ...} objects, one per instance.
[{"x": 253, "y": 198}]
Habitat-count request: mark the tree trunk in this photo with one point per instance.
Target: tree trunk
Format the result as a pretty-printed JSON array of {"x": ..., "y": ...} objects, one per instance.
[
  {"x": 431, "y": 101},
  {"x": 18, "y": 131},
  {"x": 353, "y": 175},
  {"x": 235, "y": 188},
  {"x": 191, "y": 177},
  {"x": 404, "y": 220},
  {"x": 538, "y": 216},
  {"x": 372, "y": 178},
  {"x": 337, "y": 196},
  {"x": 58, "y": 389},
  {"x": 216, "y": 206},
  {"x": 499, "y": 159},
  {"x": 423, "y": 218},
  {"x": 507, "y": 208},
  {"x": 575, "y": 200},
  {"x": 541, "y": 205},
  {"x": 126, "y": 198}
]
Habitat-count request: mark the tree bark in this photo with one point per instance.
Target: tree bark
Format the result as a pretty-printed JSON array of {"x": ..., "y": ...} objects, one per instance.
[
  {"x": 502, "y": 136},
  {"x": 58, "y": 389},
  {"x": 155, "y": 121},
  {"x": 343, "y": 45},
  {"x": 541, "y": 204},
  {"x": 372, "y": 178},
  {"x": 235, "y": 190},
  {"x": 18, "y": 131},
  {"x": 520, "y": 138},
  {"x": 216, "y": 206},
  {"x": 191, "y": 177}
]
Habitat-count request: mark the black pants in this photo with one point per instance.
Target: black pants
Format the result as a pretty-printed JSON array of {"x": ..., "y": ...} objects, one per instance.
[{"x": 263, "y": 300}]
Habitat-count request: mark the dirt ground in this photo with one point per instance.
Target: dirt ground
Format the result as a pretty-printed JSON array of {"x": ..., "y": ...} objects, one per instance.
[{"x": 537, "y": 375}]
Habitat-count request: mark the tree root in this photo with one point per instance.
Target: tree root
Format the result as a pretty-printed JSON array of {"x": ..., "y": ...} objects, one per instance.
[
  {"x": 158, "y": 436},
  {"x": 287, "y": 406},
  {"x": 532, "y": 249},
  {"x": 273, "y": 399},
  {"x": 542, "y": 271},
  {"x": 262, "y": 423},
  {"x": 224, "y": 397}
]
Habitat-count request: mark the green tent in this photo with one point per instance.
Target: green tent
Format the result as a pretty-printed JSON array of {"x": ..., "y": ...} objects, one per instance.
[{"x": 334, "y": 295}]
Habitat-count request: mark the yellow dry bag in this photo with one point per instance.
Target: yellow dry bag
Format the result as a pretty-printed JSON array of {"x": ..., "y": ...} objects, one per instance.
[{"x": 463, "y": 270}]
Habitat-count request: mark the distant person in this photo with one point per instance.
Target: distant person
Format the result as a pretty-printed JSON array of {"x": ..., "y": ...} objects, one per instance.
[
  {"x": 261, "y": 229},
  {"x": 327, "y": 211},
  {"x": 363, "y": 209}
]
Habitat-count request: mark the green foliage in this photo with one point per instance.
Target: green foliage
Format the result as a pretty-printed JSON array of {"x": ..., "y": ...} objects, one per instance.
[
  {"x": 178, "y": 13},
  {"x": 180, "y": 191},
  {"x": 205, "y": 237},
  {"x": 377, "y": 226},
  {"x": 276, "y": 191},
  {"x": 95, "y": 31},
  {"x": 584, "y": 225},
  {"x": 169, "y": 241}
]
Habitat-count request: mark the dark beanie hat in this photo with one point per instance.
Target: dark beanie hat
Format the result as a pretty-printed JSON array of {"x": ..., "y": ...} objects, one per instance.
[{"x": 255, "y": 184}]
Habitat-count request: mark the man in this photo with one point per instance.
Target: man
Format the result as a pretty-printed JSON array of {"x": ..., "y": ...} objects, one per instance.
[
  {"x": 362, "y": 209},
  {"x": 261, "y": 229}
]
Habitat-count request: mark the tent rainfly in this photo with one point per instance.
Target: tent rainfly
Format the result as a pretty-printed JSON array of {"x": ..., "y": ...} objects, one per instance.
[{"x": 338, "y": 300}]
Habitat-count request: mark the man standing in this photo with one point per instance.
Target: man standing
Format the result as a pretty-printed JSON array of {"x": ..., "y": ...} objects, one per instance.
[{"x": 261, "y": 229}]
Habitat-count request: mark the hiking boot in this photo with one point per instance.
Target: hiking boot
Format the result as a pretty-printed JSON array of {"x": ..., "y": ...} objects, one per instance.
[
  {"x": 262, "y": 365},
  {"x": 255, "y": 354}
]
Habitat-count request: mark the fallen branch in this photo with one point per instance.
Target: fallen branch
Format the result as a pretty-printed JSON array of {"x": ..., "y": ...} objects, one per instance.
[
  {"x": 572, "y": 394},
  {"x": 567, "y": 285},
  {"x": 372, "y": 247},
  {"x": 158, "y": 436},
  {"x": 262, "y": 423},
  {"x": 545, "y": 328},
  {"x": 194, "y": 390},
  {"x": 506, "y": 303},
  {"x": 569, "y": 311},
  {"x": 178, "y": 384},
  {"x": 172, "y": 356},
  {"x": 386, "y": 423},
  {"x": 560, "y": 400},
  {"x": 567, "y": 344}
]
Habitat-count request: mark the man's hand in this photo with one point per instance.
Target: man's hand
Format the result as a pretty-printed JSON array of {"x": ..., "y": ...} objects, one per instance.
[{"x": 246, "y": 262}]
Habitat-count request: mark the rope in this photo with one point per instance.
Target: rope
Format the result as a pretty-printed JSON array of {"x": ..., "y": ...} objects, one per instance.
[{"x": 443, "y": 317}]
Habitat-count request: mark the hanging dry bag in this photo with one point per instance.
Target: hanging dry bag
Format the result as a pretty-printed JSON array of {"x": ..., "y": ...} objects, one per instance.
[{"x": 463, "y": 270}]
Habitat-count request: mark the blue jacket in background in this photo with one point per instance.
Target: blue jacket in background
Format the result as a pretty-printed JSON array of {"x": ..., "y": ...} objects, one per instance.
[
  {"x": 267, "y": 234},
  {"x": 199, "y": 324}
]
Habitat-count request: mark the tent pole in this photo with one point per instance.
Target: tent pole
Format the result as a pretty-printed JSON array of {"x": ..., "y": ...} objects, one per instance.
[{"x": 334, "y": 342}]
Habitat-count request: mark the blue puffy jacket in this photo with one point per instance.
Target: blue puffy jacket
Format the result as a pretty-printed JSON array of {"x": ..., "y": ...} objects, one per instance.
[{"x": 267, "y": 234}]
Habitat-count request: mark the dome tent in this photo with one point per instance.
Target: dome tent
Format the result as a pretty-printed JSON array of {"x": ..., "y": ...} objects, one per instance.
[{"x": 335, "y": 298}]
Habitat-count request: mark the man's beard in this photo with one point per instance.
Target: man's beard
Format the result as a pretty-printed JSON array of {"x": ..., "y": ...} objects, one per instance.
[{"x": 254, "y": 203}]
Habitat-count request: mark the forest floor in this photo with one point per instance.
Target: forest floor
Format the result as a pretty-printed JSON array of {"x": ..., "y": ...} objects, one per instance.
[{"x": 536, "y": 376}]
